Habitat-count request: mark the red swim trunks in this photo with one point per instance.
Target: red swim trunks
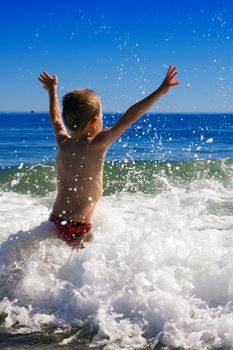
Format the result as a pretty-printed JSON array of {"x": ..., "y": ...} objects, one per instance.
[{"x": 70, "y": 230}]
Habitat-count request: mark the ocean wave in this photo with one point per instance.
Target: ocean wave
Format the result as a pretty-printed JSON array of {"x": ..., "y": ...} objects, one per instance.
[
  {"x": 144, "y": 176},
  {"x": 159, "y": 269}
]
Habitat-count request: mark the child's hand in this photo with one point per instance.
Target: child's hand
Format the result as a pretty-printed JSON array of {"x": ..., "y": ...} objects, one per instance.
[
  {"x": 169, "y": 80},
  {"x": 49, "y": 83}
]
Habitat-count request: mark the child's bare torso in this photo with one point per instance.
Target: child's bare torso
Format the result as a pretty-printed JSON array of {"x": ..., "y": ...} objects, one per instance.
[{"x": 79, "y": 179}]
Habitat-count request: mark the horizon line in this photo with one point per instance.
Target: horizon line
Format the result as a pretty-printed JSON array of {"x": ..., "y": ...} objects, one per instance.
[{"x": 118, "y": 112}]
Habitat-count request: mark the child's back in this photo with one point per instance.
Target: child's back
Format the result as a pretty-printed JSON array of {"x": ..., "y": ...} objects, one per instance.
[{"x": 79, "y": 179}]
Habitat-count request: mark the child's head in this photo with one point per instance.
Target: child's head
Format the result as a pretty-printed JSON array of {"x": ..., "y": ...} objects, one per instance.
[{"x": 82, "y": 108}]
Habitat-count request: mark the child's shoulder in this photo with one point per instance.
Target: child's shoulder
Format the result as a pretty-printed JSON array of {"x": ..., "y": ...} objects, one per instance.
[
  {"x": 64, "y": 141},
  {"x": 99, "y": 141},
  {"x": 67, "y": 143},
  {"x": 101, "y": 137}
]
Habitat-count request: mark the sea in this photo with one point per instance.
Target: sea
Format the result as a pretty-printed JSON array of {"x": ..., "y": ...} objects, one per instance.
[{"x": 159, "y": 272}]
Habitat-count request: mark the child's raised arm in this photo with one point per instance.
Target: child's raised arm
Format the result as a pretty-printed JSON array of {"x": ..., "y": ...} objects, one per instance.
[
  {"x": 141, "y": 107},
  {"x": 50, "y": 84}
]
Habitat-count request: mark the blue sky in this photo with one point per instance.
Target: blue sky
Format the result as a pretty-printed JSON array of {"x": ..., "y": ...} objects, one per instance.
[{"x": 120, "y": 49}]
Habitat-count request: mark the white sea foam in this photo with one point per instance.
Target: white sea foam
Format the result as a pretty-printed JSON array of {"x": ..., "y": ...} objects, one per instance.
[{"x": 160, "y": 267}]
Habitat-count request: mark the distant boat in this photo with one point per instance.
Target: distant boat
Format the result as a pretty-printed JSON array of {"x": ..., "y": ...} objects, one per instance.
[{"x": 32, "y": 111}]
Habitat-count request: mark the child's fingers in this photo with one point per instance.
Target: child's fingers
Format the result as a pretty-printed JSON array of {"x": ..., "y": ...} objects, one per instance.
[
  {"x": 42, "y": 77},
  {"x": 42, "y": 80},
  {"x": 168, "y": 71},
  {"x": 173, "y": 75},
  {"x": 47, "y": 75},
  {"x": 43, "y": 83},
  {"x": 172, "y": 70}
]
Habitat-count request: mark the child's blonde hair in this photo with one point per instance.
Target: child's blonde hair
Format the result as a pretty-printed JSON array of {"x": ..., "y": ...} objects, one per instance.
[{"x": 79, "y": 107}]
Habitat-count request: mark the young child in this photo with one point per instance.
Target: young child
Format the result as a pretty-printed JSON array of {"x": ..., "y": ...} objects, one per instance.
[{"x": 82, "y": 151}]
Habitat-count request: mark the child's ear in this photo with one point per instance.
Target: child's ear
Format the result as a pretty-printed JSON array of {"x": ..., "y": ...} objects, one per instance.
[{"x": 93, "y": 123}]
